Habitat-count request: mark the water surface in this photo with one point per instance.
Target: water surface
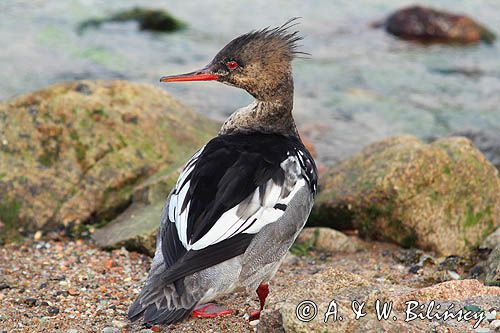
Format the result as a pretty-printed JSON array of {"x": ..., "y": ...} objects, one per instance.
[{"x": 360, "y": 84}]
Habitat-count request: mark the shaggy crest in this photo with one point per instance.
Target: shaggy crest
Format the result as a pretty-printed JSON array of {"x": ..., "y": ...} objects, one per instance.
[{"x": 278, "y": 42}]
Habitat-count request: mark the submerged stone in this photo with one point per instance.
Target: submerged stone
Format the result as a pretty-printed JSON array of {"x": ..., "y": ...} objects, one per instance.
[
  {"x": 148, "y": 19},
  {"x": 430, "y": 25}
]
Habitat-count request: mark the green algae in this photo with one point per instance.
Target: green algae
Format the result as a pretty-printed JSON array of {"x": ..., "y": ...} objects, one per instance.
[{"x": 157, "y": 20}]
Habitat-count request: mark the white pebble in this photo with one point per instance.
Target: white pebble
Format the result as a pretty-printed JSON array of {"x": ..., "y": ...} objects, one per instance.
[
  {"x": 38, "y": 235},
  {"x": 491, "y": 315},
  {"x": 454, "y": 275},
  {"x": 254, "y": 322},
  {"x": 119, "y": 324},
  {"x": 495, "y": 324},
  {"x": 110, "y": 330}
]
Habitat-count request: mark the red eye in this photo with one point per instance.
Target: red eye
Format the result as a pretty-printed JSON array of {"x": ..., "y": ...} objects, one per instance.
[{"x": 232, "y": 64}]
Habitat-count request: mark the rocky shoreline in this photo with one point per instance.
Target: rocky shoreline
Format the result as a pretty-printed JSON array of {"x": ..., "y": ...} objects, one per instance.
[
  {"x": 72, "y": 286},
  {"x": 84, "y": 170}
]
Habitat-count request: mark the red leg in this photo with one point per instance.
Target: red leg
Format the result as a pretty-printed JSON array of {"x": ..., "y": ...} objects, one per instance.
[
  {"x": 262, "y": 292},
  {"x": 210, "y": 310}
]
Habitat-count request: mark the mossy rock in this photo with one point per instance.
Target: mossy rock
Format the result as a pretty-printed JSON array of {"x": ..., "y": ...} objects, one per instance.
[
  {"x": 443, "y": 196},
  {"x": 157, "y": 20},
  {"x": 75, "y": 152}
]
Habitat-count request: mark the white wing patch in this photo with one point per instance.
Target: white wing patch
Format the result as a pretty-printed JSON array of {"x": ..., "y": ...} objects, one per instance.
[
  {"x": 177, "y": 199},
  {"x": 262, "y": 207}
]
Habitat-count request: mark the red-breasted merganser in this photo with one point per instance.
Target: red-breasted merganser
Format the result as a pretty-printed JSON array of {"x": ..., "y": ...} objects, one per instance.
[{"x": 243, "y": 198}]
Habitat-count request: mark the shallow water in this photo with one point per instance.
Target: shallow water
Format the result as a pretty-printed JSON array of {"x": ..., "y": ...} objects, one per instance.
[{"x": 360, "y": 84}]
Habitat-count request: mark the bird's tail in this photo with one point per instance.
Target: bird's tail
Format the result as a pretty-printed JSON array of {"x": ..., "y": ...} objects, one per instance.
[
  {"x": 161, "y": 304},
  {"x": 157, "y": 313}
]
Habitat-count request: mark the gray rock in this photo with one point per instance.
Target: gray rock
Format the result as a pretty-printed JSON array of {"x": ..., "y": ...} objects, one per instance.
[
  {"x": 492, "y": 241},
  {"x": 493, "y": 268},
  {"x": 135, "y": 229}
]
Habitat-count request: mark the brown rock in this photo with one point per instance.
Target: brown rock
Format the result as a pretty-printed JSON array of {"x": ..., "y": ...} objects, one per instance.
[
  {"x": 429, "y": 25},
  {"x": 449, "y": 290},
  {"x": 332, "y": 287}
]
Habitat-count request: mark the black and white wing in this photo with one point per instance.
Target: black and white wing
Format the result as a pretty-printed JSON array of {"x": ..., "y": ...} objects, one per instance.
[{"x": 227, "y": 192}]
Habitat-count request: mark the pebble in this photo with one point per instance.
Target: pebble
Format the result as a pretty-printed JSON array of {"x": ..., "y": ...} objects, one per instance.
[
  {"x": 473, "y": 308},
  {"x": 4, "y": 286},
  {"x": 72, "y": 330},
  {"x": 491, "y": 315},
  {"x": 254, "y": 323},
  {"x": 30, "y": 301},
  {"x": 414, "y": 269},
  {"x": 476, "y": 271},
  {"x": 110, "y": 330},
  {"x": 495, "y": 324},
  {"x": 53, "y": 310},
  {"x": 59, "y": 278},
  {"x": 145, "y": 330},
  {"x": 73, "y": 292},
  {"x": 119, "y": 324},
  {"x": 64, "y": 293},
  {"x": 482, "y": 330},
  {"x": 38, "y": 235},
  {"x": 454, "y": 275}
]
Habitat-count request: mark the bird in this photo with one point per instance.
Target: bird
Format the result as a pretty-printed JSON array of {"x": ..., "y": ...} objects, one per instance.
[{"x": 243, "y": 198}]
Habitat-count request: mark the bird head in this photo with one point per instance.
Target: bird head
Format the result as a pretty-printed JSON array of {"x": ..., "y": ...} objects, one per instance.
[{"x": 259, "y": 62}]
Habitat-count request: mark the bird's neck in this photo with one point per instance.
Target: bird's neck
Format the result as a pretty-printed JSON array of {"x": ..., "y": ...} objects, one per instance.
[{"x": 270, "y": 115}]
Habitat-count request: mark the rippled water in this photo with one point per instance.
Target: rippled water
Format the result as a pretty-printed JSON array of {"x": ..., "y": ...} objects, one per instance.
[{"x": 360, "y": 85}]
